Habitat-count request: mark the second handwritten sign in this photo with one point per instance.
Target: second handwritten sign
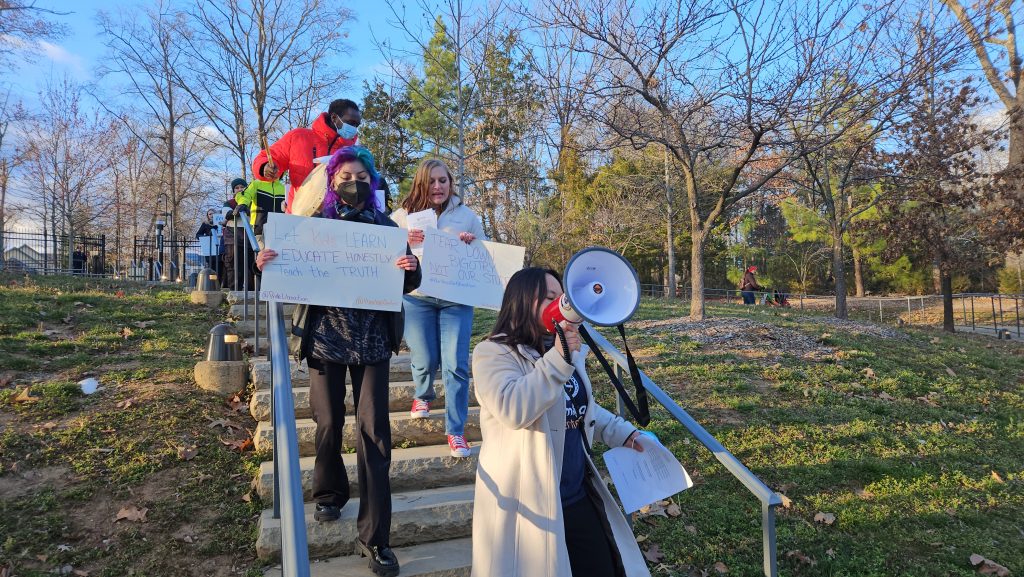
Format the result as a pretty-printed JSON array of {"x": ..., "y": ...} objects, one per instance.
[{"x": 333, "y": 263}]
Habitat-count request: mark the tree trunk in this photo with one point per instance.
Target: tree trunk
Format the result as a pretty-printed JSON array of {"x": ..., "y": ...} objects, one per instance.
[
  {"x": 947, "y": 300},
  {"x": 670, "y": 282},
  {"x": 697, "y": 273},
  {"x": 1016, "y": 153},
  {"x": 858, "y": 272},
  {"x": 839, "y": 273}
]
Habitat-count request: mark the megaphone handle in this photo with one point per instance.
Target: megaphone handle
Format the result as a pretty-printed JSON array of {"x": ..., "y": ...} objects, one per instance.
[{"x": 565, "y": 345}]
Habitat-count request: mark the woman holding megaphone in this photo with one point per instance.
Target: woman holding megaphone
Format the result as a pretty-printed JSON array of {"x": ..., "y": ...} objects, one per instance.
[{"x": 540, "y": 506}]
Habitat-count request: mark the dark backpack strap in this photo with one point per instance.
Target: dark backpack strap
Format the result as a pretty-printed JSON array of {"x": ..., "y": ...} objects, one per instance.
[{"x": 642, "y": 414}]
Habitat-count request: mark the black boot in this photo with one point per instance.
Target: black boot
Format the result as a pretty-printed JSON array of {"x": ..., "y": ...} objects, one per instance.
[{"x": 382, "y": 559}]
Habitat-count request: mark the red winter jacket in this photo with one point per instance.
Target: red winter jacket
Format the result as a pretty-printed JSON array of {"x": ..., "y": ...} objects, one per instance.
[{"x": 295, "y": 151}]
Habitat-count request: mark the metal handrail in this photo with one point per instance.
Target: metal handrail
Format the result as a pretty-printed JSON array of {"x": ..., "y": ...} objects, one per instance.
[
  {"x": 251, "y": 237},
  {"x": 287, "y": 475},
  {"x": 768, "y": 498}
]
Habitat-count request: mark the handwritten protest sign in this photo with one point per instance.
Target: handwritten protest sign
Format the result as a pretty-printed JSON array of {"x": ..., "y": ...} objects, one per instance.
[
  {"x": 470, "y": 274},
  {"x": 333, "y": 263}
]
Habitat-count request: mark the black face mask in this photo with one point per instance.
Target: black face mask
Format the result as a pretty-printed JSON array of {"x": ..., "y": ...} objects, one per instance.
[{"x": 354, "y": 192}]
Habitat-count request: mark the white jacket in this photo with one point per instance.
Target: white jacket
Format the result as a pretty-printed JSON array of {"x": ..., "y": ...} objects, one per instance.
[{"x": 455, "y": 218}]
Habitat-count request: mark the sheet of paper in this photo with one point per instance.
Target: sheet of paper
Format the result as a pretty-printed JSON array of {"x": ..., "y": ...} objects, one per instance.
[
  {"x": 322, "y": 159},
  {"x": 643, "y": 478},
  {"x": 423, "y": 220},
  {"x": 209, "y": 245},
  {"x": 333, "y": 263}
]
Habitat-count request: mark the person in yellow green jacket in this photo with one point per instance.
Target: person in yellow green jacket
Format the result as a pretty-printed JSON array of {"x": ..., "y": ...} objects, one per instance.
[{"x": 261, "y": 198}]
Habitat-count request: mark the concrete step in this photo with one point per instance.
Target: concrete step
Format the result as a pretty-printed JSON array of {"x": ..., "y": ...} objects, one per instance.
[
  {"x": 237, "y": 297},
  {"x": 237, "y": 311},
  {"x": 411, "y": 469},
  {"x": 417, "y": 517},
  {"x": 247, "y": 329},
  {"x": 260, "y": 371},
  {"x": 444, "y": 559},
  {"x": 399, "y": 399},
  {"x": 404, "y": 431}
]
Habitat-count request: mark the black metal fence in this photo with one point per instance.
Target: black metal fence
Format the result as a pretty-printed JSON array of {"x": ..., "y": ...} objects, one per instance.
[
  {"x": 164, "y": 259},
  {"x": 35, "y": 252}
]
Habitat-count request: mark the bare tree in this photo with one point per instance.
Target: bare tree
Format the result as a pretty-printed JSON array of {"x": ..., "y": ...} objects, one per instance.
[
  {"x": 23, "y": 23},
  {"x": 281, "y": 48},
  {"x": 10, "y": 157},
  {"x": 990, "y": 27},
  {"x": 68, "y": 153},
  {"x": 146, "y": 49},
  {"x": 720, "y": 78}
]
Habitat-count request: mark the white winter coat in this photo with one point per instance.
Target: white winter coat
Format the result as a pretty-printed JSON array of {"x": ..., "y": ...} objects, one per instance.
[{"x": 517, "y": 514}]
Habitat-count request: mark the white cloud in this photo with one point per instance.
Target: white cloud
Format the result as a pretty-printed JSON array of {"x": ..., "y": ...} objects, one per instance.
[{"x": 59, "y": 55}]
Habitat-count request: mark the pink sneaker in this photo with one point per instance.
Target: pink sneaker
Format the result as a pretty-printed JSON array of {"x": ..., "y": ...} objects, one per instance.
[
  {"x": 457, "y": 443},
  {"x": 420, "y": 409}
]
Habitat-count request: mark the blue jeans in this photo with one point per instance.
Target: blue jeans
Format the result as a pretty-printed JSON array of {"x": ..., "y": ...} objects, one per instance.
[
  {"x": 748, "y": 297},
  {"x": 437, "y": 333}
]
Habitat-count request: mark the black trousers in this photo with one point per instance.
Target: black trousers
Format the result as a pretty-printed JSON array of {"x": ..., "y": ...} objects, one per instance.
[
  {"x": 590, "y": 552},
  {"x": 373, "y": 442}
]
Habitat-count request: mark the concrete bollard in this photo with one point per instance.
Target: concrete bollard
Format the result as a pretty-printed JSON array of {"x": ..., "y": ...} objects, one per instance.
[
  {"x": 222, "y": 377},
  {"x": 211, "y": 299}
]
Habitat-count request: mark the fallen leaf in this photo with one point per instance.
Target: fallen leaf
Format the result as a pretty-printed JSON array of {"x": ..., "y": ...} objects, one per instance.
[
  {"x": 691, "y": 529},
  {"x": 673, "y": 510},
  {"x": 935, "y": 340},
  {"x": 187, "y": 453},
  {"x": 42, "y": 558},
  {"x": 80, "y": 573},
  {"x": 131, "y": 513},
  {"x": 25, "y": 397},
  {"x": 641, "y": 538},
  {"x": 236, "y": 404},
  {"x": 886, "y": 396},
  {"x": 801, "y": 557},
  {"x": 869, "y": 373},
  {"x": 6, "y": 379},
  {"x": 240, "y": 445},
  {"x": 786, "y": 487},
  {"x": 864, "y": 493},
  {"x": 653, "y": 554},
  {"x": 720, "y": 568},
  {"x": 67, "y": 320},
  {"x": 996, "y": 477},
  {"x": 188, "y": 539},
  {"x": 144, "y": 324},
  {"x": 63, "y": 548},
  {"x": 826, "y": 518},
  {"x": 831, "y": 553},
  {"x": 988, "y": 566},
  {"x": 79, "y": 304},
  {"x": 119, "y": 294},
  {"x": 950, "y": 372},
  {"x": 126, "y": 332},
  {"x": 126, "y": 403},
  {"x": 224, "y": 423},
  {"x": 247, "y": 497},
  {"x": 786, "y": 501}
]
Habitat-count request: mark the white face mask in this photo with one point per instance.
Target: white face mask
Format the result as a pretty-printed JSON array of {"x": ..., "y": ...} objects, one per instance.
[{"x": 347, "y": 131}]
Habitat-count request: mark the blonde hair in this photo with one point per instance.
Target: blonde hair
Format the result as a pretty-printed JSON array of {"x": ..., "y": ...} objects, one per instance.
[{"x": 419, "y": 194}]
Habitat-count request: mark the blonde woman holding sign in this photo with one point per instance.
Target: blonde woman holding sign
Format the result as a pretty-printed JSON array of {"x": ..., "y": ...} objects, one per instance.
[{"x": 437, "y": 331}]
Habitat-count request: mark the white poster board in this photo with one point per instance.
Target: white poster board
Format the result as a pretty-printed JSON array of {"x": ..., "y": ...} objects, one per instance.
[
  {"x": 469, "y": 274},
  {"x": 335, "y": 263},
  {"x": 209, "y": 245}
]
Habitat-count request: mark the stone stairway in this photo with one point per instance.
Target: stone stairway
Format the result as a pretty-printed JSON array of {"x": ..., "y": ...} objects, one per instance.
[{"x": 432, "y": 492}]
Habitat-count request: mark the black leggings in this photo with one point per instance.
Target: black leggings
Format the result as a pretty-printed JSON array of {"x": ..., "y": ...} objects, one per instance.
[{"x": 590, "y": 552}]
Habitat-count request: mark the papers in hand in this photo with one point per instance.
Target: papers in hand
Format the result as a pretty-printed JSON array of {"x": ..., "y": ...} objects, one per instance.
[
  {"x": 643, "y": 478},
  {"x": 421, "y": 220}
]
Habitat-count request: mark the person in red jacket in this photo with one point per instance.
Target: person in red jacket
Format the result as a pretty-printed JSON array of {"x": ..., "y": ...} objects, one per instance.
[{"x": 295, "y": 151}]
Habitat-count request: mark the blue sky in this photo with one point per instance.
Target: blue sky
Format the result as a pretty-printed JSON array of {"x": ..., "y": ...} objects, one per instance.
[{"x": 79, "y": 52}]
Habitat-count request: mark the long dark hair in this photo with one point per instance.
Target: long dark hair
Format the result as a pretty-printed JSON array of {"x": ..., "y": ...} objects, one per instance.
[{"x": 518, "y": 322}]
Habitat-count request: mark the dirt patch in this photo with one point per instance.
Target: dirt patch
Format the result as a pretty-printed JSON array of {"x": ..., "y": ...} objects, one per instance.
[
  {"x": 22, "y": 483},
  {"x": 858, "y": 328},
  {"x": 744, "y": 337}
]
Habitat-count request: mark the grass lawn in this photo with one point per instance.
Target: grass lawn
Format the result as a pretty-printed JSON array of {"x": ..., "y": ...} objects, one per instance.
[
  {"x": 144, "y": 445},
  {"x": 913, "y": 440}
]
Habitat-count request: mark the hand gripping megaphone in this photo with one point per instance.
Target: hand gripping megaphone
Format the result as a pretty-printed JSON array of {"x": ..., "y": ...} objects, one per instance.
[{"x": 601, "y": 287}]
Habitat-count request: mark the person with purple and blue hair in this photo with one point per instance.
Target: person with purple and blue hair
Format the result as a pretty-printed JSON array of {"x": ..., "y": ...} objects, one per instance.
[{"x": 337, "y": 341}]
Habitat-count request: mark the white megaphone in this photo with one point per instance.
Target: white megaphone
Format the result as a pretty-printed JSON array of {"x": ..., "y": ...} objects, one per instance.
[{"x": 601, "y": 287}]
